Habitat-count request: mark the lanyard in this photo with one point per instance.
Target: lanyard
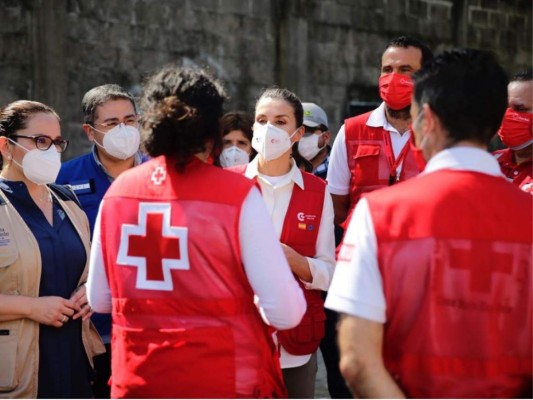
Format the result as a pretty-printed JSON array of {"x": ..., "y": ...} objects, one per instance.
[{"x": 394, "y": 163}]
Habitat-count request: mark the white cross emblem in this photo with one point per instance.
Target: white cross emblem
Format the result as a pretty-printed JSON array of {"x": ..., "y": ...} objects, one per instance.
[
  {"x": 154, "y": 247},
  {"x": 159, "y": 175}
]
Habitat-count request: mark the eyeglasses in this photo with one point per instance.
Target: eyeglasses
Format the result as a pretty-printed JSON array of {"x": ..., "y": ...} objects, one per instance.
[
  {"x": 44, "y": 142},
  {"x": 131, "y": 120}
]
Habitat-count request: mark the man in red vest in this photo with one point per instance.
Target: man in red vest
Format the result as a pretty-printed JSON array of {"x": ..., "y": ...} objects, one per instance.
[
  {"x": 434, "y": 276},
  {"x": 516, "y": 133},
  {"x": 371, "y": 150}
]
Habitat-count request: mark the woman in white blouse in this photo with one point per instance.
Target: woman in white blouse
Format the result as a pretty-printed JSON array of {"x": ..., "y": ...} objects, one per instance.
[{"x": 302, "y": 213}]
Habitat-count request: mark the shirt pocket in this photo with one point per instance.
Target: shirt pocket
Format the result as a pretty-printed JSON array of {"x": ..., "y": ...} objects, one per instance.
[
  {"x": 366, "y": 164},
  {"x": 8, "y": 355},
  {"x": 9, "y": 253}
]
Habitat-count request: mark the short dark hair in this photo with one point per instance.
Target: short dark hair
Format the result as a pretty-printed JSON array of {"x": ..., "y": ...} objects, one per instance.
[
  {"x": 237, "y": 121},
  {"x": 13, "y": 117},
  {"x": 523, "y": 76},
  {"x": 181, "y": 112},
  {"x": 101, "y": 94},
  {"x": 275, "y": 92},
  {"x": 467, "y": 89},
  {"x": 406, "y": 41}
]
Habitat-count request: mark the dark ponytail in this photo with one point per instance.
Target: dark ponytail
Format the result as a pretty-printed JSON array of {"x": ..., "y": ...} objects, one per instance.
[{"x": 181, "y": 112}]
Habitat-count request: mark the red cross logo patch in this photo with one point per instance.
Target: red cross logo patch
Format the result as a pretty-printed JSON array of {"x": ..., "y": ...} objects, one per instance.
[
  {"x": 154, "y": 247},
  {"x": 159, "y": 175},
  {"x": 482, "y": 260}
]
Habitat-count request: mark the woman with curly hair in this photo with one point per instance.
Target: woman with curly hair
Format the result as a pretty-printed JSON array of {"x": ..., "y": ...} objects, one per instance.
[{"x": 181, "y": 249}]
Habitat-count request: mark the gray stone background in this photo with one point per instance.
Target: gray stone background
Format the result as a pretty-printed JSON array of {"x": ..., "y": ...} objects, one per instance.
[{"x": 327, "y": 51}]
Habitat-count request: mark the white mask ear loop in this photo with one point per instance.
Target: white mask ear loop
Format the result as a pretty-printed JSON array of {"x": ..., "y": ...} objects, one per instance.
[
  {"x": 294, "y": 133},
  {"x": 96, "y": 141},
  {"x": 291, "y": 135},
  {"x": 10, "y": 157},
  {"x": 418, "y": 117}
]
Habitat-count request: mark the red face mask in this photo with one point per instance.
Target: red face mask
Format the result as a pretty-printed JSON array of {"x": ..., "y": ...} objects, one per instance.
[
  {"x": 396, "y": 90},
  {"x": 516, "y": 130}
]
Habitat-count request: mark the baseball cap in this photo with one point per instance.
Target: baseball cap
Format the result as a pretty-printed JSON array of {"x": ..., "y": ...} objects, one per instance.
[{"x": 314, "y": 115}]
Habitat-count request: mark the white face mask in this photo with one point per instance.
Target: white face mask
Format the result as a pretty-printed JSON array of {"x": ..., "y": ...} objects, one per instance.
[
  {"x": 308, "y": 146},
  {"x": 40, "y": 167},
  {"x": 270, "y": 141},
  {"x": 233, "y": 155},
  {"x": 121, "y": 142}
]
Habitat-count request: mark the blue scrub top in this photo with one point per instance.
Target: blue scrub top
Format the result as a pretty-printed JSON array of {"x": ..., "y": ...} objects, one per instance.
[
  {"x": 90, "y": 183},
  {"x": 64, "y": 370}
]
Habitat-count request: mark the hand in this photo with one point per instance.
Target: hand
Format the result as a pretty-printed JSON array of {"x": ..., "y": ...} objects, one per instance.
[
  {"x": 80, "y": 298},
  {"x": 291, "y": 255},
  {"x": 52, "y": 310},
  {"x": 298, "y": 263}
]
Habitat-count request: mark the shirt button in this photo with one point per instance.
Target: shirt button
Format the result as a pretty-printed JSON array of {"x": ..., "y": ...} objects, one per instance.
[{"x": 516, "y": 172}]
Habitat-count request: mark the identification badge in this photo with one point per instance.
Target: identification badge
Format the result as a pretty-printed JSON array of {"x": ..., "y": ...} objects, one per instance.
[{"x": 83, "y": 187}]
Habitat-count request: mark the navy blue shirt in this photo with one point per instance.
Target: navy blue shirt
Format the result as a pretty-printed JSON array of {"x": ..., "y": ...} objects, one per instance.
[
  {"x": 90, "y": 182},
  {"x": 64, "y": 370}
]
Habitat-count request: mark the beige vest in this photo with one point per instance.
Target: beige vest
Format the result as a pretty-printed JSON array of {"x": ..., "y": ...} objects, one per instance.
[{"x": 20, "y": 275}]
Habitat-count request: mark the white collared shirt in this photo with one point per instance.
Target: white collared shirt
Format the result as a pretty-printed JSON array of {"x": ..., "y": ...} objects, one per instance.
[
  {"x": 357, "y": 287},
  {"x": 138, "y": 160},
  {"x": 277, "y": 193},
  {"x": 339, "y": 174}
]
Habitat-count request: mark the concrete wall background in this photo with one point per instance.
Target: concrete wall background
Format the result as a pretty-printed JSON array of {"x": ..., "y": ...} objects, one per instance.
[{"x": 327, "y": 51}]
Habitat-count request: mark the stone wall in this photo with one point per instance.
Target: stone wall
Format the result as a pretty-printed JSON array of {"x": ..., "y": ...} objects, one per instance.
[{"x": 327, "y": 51}]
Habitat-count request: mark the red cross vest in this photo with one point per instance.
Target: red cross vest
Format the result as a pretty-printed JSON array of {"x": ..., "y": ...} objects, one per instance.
[
  {"x": 184, "y": 320},
  {"x": 518, "y": 174},
  {"x": 367, "y": 158},
  {"x": 300, "y": 231},
  {"x": 455, "y": 255}
]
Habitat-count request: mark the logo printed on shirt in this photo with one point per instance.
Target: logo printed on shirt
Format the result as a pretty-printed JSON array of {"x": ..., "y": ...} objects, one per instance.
[
  {"x": 86, "y": 186},
  {"x": 302, "y": 217},
  {"x": 306, "y": 221},
  {"x": 82, "y": 186},
  {"x": 528, "y": 187},
  {"x": 154, "y": 247},
  {"x": 159, "y": 175},
  {"x": 4, "y": 238},
  {"x": 482, "y": 261}
]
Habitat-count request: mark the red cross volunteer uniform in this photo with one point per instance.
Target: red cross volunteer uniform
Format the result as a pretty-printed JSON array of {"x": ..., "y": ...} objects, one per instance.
[
  {"x": 368, "y": 154},
  {"x": 178, "y": 259},
  {"x": 521, "y": 174},
  {"x": 302, "y": 212},
  {"x": 452, "y": 288}
]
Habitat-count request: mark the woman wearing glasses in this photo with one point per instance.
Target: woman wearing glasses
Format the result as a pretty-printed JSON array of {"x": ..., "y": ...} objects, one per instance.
[{"x": 46, "y": 340}]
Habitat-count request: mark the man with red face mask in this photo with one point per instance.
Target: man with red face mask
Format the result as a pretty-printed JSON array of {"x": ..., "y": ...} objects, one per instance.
[
  {"x": 372, "y": 150},
  {"x": 434, "y": 275},
  {"x": 516, "y": 132}
]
